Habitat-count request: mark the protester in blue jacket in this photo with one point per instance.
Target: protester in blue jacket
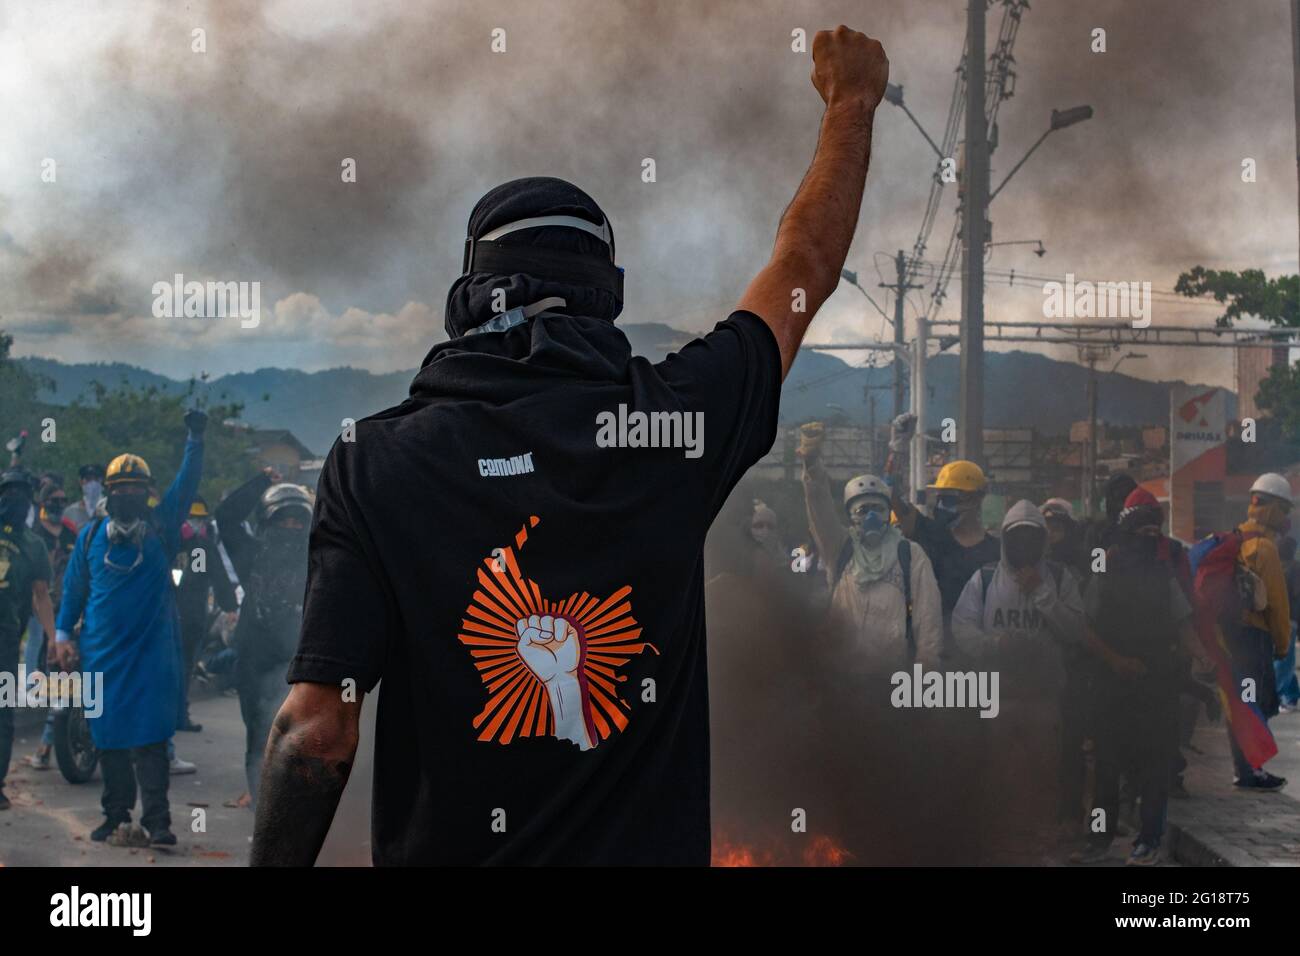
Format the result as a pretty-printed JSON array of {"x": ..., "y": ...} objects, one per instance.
[{"x": 120, "y": 578}]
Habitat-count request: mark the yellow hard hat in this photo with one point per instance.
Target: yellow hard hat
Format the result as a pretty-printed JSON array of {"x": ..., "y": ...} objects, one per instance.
[
  {"x": 960, "y": 476},
  {"x": 126, "y": 469},
  {"x": 198, "y": 508}
]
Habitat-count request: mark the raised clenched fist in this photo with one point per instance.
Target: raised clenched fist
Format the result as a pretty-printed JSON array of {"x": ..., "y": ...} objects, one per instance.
[
  {"x": 901, "y": 430},
  {"x": 548, "y": 645},
  {"x": 552, "y": 649},
  {"x": 848, "y": 65},
  {"x": 811, "y": 436}
]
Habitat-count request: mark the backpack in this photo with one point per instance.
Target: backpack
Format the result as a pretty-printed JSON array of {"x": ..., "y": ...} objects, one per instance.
[
  {"x": 904, "y": 565},
  {"x": 1220, "y": 583}
]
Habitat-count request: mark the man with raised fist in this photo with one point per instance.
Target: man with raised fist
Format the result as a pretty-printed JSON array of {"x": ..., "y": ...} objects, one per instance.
[{"x": 506, "y": 734}]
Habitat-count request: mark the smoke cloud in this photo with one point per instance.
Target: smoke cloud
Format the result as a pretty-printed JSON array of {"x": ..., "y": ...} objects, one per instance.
[{"x": 227, "y": 163}]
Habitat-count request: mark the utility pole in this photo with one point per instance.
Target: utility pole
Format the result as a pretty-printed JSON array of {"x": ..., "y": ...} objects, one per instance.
[
  {"x": 1090, "y": 451},
  {"x": 899, "y": 288},
  {"x": 877, "y": 459},
  {"x": 975, "y": 186},
  {"x": 871, "y": 430},
  {"x": 1090, "y": 355},
  {"x": 919, "y": 451}
]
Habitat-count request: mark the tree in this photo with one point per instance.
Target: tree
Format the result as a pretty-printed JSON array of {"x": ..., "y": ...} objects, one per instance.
[
  {"x": 109, "y": 421},
  {"x": 1247, "y": 293},
  {"x": 18, "y": 391},
  {"x": 1276, "y": 301}
]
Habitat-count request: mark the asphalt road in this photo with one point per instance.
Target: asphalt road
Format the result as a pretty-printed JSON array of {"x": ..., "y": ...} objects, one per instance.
[{"x": 51, "y": 819}]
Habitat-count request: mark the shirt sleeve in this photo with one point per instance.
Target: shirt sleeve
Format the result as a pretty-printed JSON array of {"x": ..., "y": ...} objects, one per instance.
[
  {"x": 346, "y": 609},
  {"x": 1061, "y": 606},
  {"x": 76, "y": 580},
  {"x": 968, "y": 619},
  {"x": 1092, "y": 599},
  {"x": 732, "y": 377},
  {"x": 41, "y": 570},
  {"x": 1178, "y": 606}
]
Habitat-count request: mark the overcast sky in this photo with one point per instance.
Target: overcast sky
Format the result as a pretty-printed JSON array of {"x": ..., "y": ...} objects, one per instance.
[{"x": 226, "y": 164}]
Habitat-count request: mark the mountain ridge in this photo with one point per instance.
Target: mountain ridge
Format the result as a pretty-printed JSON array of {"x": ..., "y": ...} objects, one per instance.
[{"x": 820, "y": 385}]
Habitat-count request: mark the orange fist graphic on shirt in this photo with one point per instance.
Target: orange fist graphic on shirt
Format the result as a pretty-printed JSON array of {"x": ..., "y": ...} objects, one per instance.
[
  {"x": 551, "y": 668},
  {"x": 552, "y": 649}
]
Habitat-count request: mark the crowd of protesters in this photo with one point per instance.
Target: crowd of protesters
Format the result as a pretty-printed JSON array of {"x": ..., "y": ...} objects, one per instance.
[
  {"x": 1109, "y": 637},
  {"x": 134, "y": 585}
]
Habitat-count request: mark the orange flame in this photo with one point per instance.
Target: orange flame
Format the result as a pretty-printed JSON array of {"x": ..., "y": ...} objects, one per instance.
[{"x": 821, "y": 850}]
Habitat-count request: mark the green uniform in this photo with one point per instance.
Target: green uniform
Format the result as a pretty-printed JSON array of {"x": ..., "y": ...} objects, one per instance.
[{"x": 23, "y": 562}]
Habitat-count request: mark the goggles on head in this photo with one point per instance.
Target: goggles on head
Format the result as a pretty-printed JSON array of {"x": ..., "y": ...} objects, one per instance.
[{"x": 486, "y": 254}]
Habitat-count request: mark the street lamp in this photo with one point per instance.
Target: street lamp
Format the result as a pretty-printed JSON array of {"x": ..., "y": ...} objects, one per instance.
[
  {"x": 1060, "y": 120},
  {"x": 894, "y": 95},
  {"x": 852, "y": 279},
  {"x": 1039, "y": 249},
  {"x": 1126, "y": 355}
]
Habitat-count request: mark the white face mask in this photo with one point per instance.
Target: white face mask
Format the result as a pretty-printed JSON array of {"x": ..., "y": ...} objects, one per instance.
[
  {"x": 196, "y": 524},
  {"x": 92, "y": 491}
]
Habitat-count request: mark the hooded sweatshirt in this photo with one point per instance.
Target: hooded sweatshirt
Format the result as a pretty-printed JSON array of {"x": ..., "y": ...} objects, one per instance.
[
  {"x": 1032, "y": 627},
  {"x": 522, "y": 566}
]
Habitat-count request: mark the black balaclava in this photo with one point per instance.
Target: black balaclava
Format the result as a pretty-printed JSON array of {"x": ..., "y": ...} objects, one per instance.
[
  {"x": 1024, "y": 545},
  {"x": 1118, "y": 487},
  {"x": 15, "y": 502},
  {"x": 469, "y": 301}
]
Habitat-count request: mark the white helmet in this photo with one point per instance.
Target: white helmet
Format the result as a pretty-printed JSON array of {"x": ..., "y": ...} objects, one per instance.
[
  {"x": 1271, "y": 483},
  {"x": 865, "y": 485}
]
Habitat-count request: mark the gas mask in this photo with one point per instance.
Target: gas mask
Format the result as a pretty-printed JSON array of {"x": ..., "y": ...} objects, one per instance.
[
  {"x": 53, "y": 508},
  {"x": 278, "y": 536},
  {"x": 868, "y": 524},
  {"x": 947, "y": 509}
]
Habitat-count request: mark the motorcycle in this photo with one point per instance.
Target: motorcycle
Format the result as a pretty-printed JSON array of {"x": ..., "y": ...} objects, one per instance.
[{"x": 74, "y": 749}]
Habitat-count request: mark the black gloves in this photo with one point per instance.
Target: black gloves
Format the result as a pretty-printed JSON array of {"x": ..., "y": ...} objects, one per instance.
[{"x": 196, "y": 421}]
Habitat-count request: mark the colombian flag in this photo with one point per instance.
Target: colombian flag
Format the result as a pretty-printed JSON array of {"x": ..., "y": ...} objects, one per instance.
[{"x": 1245, "y": 720}]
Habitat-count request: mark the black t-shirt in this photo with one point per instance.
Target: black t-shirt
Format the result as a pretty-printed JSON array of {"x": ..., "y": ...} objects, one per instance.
[
  {"x": 532, "y": 597},
  {"x": 59, "y": 545},
  {"x": 954, "y": 563},
  {"x": 1136, "y": 608},
  {"x": 23, "y": 562}
]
